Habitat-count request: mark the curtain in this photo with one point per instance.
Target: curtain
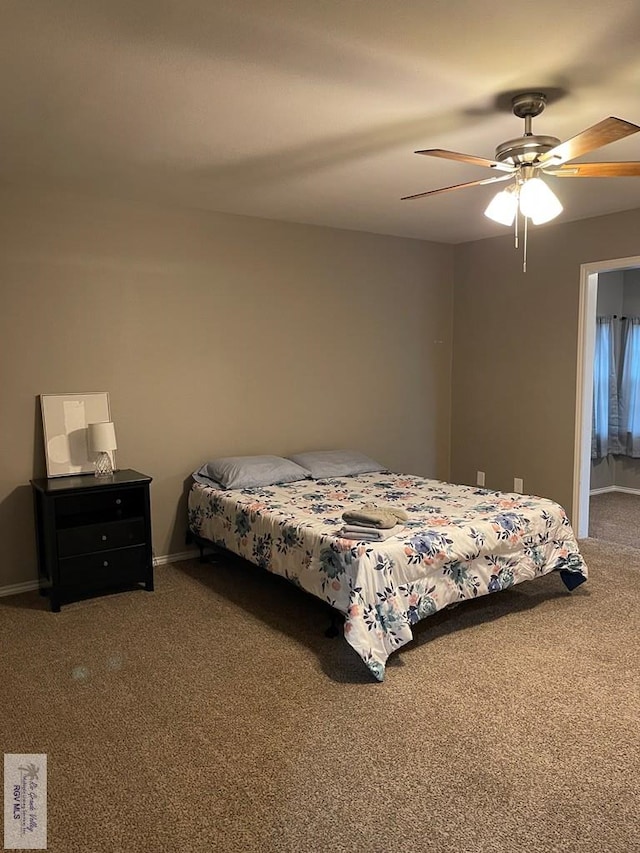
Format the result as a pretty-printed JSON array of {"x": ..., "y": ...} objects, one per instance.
[
  {"x": 629, "y": 431},
  {"x": 605, "y": 425}
]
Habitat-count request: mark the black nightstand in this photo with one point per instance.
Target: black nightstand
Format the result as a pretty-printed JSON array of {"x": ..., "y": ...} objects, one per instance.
[{"x": 93, "y": 534}]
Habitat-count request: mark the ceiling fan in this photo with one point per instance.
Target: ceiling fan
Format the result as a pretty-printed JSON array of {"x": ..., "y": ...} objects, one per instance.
[{"x": 528, "y": 158}]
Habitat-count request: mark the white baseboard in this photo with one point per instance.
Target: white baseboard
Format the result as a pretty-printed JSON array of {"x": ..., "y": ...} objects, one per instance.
[
  {"x": 17, "y": 588},
  {"x": 606, "y": 489},
  {"x": 162, "y": 560}
]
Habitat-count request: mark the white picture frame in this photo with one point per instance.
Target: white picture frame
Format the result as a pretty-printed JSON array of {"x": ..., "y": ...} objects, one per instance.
[{"x": 64, "y": 419}]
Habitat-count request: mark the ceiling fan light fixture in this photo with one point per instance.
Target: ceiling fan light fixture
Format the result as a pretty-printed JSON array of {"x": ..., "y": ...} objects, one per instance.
[
  {"x": 531, "y": 154},
  {"x": 538, "y": 202},
  {"x": 502, "y": 207}
]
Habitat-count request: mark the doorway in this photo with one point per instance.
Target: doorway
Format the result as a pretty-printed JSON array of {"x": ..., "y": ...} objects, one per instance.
[{"x": 589, "y": 274}]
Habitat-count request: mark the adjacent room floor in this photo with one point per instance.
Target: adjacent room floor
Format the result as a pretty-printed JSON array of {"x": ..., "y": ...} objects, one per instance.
[{"x": 615, "y": 517}]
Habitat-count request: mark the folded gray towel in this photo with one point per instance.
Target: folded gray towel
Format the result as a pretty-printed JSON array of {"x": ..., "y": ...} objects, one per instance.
[
  {"x": 383, "y": 516},
  {"x": 369, "y": 534}
]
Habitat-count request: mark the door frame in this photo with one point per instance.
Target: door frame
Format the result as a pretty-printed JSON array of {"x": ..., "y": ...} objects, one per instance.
[{"x": 584, "y": 385}]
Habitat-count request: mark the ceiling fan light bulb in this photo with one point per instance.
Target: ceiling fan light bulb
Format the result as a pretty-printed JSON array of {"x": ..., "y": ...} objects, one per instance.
[
  {"x": 502, "y": 208},
  {"x": 538, "y": 202}
]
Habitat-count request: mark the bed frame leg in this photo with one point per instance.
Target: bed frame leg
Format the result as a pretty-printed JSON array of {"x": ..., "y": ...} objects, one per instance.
[
  {"x": 334, "y": 627},
  {"x": 201, "y": 544}
]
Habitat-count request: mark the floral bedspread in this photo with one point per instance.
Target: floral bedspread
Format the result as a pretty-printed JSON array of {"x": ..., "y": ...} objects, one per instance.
[{"x": 459, "y": 542}]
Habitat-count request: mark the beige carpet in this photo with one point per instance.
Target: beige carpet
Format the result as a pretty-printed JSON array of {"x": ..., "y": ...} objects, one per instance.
[
  {"x": 615, "y": 517},
  {"x": 213, "y": 715}
]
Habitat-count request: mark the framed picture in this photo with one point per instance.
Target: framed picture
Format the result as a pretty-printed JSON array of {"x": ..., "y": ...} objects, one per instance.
[{"x": 64, "y": 419}]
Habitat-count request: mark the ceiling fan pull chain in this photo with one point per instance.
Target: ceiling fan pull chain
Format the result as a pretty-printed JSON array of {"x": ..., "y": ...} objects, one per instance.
[
  {"x": 515, "y": 236},
  {"x": 524, "y": 258}
]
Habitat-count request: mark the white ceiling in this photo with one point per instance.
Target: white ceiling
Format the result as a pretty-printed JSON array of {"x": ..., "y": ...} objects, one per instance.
[{"x": 310, "y": 110}]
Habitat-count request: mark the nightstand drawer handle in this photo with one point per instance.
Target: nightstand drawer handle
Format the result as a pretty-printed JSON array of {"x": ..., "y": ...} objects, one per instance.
[
  {"x": 118, "y": 501},
  {"x": 106, "y": 563},
  {"x": 104, "y": 538}
]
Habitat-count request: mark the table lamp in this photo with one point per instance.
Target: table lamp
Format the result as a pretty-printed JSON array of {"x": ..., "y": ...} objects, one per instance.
[{"x": 102, "y": 439}]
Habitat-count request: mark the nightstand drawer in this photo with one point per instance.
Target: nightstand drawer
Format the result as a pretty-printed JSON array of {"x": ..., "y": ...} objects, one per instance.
[
  {"x": 100, "y": 537},
  {"x": 110, "y": 505},
  {"x": 112, "y": 568}
]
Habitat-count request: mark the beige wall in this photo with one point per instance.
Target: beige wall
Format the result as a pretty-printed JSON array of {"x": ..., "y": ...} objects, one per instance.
[
  {"x": 603, "y": 473},
  {"x": 213, "y": 335},
  {"x": 515, "y": 350}
]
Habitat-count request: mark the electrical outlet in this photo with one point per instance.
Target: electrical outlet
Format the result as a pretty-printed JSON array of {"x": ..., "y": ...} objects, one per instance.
[
  {"x": 518, "y": 485},
  {"x": 480, "y": 478}
]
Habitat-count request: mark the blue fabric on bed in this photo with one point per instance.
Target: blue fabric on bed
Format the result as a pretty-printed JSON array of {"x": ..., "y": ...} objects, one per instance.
[{"x": 571, "y": 579}]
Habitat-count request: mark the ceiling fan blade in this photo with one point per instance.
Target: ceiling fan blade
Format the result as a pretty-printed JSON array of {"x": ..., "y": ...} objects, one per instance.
[
  {"x": 458, "y": 187},
  {"x": 606, "y": 131},
  {"x": 596, "y": 170},
  {"x": 466, "y": 158}
]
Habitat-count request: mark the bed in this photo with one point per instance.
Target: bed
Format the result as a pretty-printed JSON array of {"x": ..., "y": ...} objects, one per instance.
[{"x": 459, "y": 542}]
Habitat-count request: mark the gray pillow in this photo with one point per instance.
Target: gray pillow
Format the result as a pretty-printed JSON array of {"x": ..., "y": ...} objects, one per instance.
[
  {"x": 247, "y": 472},
  {"x": 336, "y": 463},
  {"x": 200, "y": 476}
]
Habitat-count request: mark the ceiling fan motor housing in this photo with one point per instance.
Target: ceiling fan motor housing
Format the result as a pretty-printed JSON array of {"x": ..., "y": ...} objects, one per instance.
[{"x": 525, "y": 149}]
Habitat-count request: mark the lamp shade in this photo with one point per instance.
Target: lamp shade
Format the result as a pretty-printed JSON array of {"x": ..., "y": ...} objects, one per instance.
[
  {"x": 102, "y": 436},
  {"x": 538, "y": 202},
  {"x": 502, "y": 207}
]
